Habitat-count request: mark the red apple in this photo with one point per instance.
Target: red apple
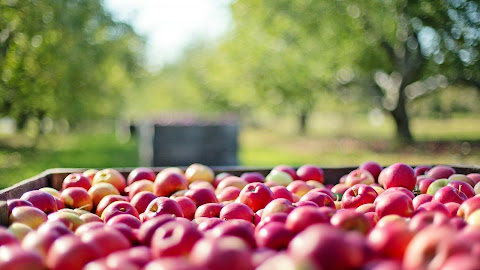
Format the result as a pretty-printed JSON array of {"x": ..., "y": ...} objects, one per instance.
[
  {"x": 7, "y": 238},
  {"x": 475, "y": 177},
  {"x": 219, "y": 177},
  {"x": 76, "y": 197},
  {"x": 390, "y": 240},
  {"x": 198, "y": 171},
  {"x": 76, "y": 180},
  {"x": 69, "y": 252},
  {"x": 424, "y": 219},
  {"x": 188, "y": 207},
  {"x": 169, "y": 182},
  {"x": 421, "y": 199},
  {"x": 119, "y": 208},
  {"x": 139, "y": 186},
  {"x": 320, "y": 198},
  {"x": 12, "y": 203},
  {"x": 140, "y": 173},
  {"x": 462, "y": 178},
  {"x": 351, "y": 220},
  {"x": 468, "y": 207},
  {"x": 148, "y": 228},
  {"x": 277, "y": 205},
  {"x": 141, "y": 200},
  {"x": 110, "y": 176},
  {"x": 463, "y": 187},
  {"x": 373, "y": 167},
  {"x": 228, "y": 194},
  {"x": 209, "y": 223},
  {"x": 274, "y": 235},
  {"x": 208, "y": 210},
  {"x": 139, "y": 256},
  {"x": 440, "y": 171},
  {"x": 223, "y": 253},
  {"x": 41, "y": 199},
  {"x": 174, "y": 239},
  {"x": 127, "y": 219},
  {"x": 13, "y": 257},
  {"x": 449, "y": 194},
  {"x": 201, "y": 196},
  {"x": 107, "y": 200},
  {"x": 452, "y": 208},
  {"x": 69, "y": 217},
  {"x": 398, "y": 175},
  {"x": 302, "y": 217},
  {"x": 310, "y": 172},
  {"x": 107, "y": 240},
  {"x": 100, "y": 190},
  {"x": 162, "y": 206},
  {"x": 237, "y": 211},
  {"x": 281, "y": 192},
  {"x": 357, "y": 195},
  {"x": 253, "y": 177},
  {"x": 28, "y": 215},
  {"x": 239, "y": 228},
  {"x": 256, "y": 196},
  {"x": 396, "y": 203},
  {"x": 421, "y": 170},
  {"x": 359, "y": 176},
  {"x": 424, "y": 184},
  {"x": 229, "y": 181}
]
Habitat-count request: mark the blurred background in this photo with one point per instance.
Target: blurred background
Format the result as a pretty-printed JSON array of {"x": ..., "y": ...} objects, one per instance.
[{"x": 333, "y": 83}]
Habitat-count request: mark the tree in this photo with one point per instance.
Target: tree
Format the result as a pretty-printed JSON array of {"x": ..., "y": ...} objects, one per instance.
[{"x": 64, "y": 60}]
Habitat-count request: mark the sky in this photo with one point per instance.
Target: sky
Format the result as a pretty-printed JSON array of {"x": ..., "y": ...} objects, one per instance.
[{"x": 169, "y": 26}]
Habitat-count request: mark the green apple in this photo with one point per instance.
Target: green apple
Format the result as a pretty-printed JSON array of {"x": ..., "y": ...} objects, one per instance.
[
  {"x": 279, "y": 177},
  {"x": 436, "y": 185}
]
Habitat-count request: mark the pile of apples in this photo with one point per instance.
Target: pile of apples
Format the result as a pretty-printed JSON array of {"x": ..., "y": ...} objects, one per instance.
[{"x": 396, "y": 217}]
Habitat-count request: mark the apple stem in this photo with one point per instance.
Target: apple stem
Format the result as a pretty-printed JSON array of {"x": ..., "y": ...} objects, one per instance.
[{"x": 355, "y": 191}]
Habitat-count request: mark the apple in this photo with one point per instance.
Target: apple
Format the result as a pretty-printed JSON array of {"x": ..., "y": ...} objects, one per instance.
[
  {"x": 208, "y": 210},
  {"x": 440, "y": 171},
  {"x": 436, "y": 185},
  {"x": 219, "y": 177},
  {"x": 424, "y": 219},
  {"x": 198, "y": 171},
  {"x": 100, "y": 190},
  {"x": 424, "y": 184},
  {"x": 421, "y": 170},
  {"x": 256, "y": 196},
  {"x": 252, "y": 177},
  {"x": 140, "y": 256},
  {"x": 76, "y": 197},
  {"x": 39, "y": 241},
  {"x": 280, "y": 178},
  {"x": 12, "y": 203},
  {"x": 351, "y": 220},
  {"x": 449, "y": 194},
  {"x": 86, "y": 227},
  {"x": 320, "y": 198},
  {"x": 310, "y": 172},
  {"x": 281, "y": 192},
  {"x": 276, "y": 217},
  {"x": 141, "y": 173},
  {"x": 238, "y": 227},
  {"x": 228, "y": 194},
  {"x": 201, "y": 196},
  {"x": 421, "y": 199},
  {"x": 398, "y": 189},
  {"x": 70, "y": 218},
  {"x": 28, "y": 215},
  {"x": 69, "y": 252},
  {"x": 201, "y": 184},
  {"x": 188, "y": 207},
  {"x": 169, "y": 182},
  {"x": 119, "y": 208},
  {"x": 162, "y": 206},
  {"x": 462, "y": 178},
  {"x": 373, "y": 167},
  {"x": 357, "y": 195},
  {"x": 288, "y": 169},
  {"x": 90, "y": 173},
  {"x": 107, "y": 240},
  {"x": 398, "y": 175},
  {"x": 41, "y": 199},
  {"x": 394, "y": 203},
  {"x": 452, "y": 209},
  {"x": 463, "y": 187},
  {"x": 325, "y": 190},
  {"x": 274, "y": 235},
  {"x": 366, "y": 208},
  {"x": 13, "y": 257},
  {"x": 302, "y": 217},
  {"x": 223, "y": 253},
  {"x": 148, "y": 228},
  {"x": 7, "y": 238},
  {"x": 321, "y": 243},
  {"x": 474, "y": 218},
  {"x": 277, "y": 205},
  {"x": 139, "y": 186},
  {"x": 475, "y": 177},
  {"x": 237, "y": 211},
  {"x": 281, "y": 260},
  {"x": 476, "y": 188},
  {"x": 390, "y": 240},
  {"x": 359, "y": 176},
  {"x": 76, "y": 180},
  {"x": 469, "y": 206},
  {"x": 141, "y": 200},
  {"x": 174, "y": 239},
  {"x": 19, "y": 230},
  {"x": 299, "y": 187},
  {"x": 339, "y": 189},
  {"x": 110, "y": 176},
  {"x": 55, "y": 193},
  {"x": 229, "y": 181},
  {"x": 90, "y": 217},
  {"x": 209, "y": 223},
  {"x": 107, "y": 200}
]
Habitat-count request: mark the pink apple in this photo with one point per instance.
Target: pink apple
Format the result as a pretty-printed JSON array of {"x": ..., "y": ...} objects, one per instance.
[
  {"x": 238, "y": 228},
  {"x": 366, "y": 208},
  {"x": 468, "y": 207},
  {"x": 169, "y": 182},
  {"x": 107, "y": 240},
  {"x": 188, "y": 206},
  {"x": 148, "y": 228},
  {"x": 351, "y": 220},
  {"x": 76, "y": 180},
  {"x": 209, "y": 223},
  {"x": 421, "y": 199},
  {"x": 274, "y": 235},
  {"x": 140, "y": 173},
  {"x": 162, "y": 206},
  {"x": 475, "y": 177},
  {"x": 357, "y": 195},
  {"x": 229, "y": 181},
  {"x": 320, "y": 198},
  {"x": 76, "y": 197},
  {"x": 256, "y": 196},
  {"x": 461, "y": 178},
  {"x": 463, "y": 187},
  {"x": 373, "y": 167},
  {"x": 452, "y": 208},
  {"x": 424, "y": 219},
  {"x": 174, "y": 239},
  {"x": 449, "y": 194},
  {"x": 15, "y": 257},
  {"x": 7, "y": 238},
  {"x": 127, "y": 219},
  {"x": 359, "y": 176},
  {"x": 398, "y": 175},
  {"x": 69, "y": 252},
  {"x": 440, "y": 171},
  {"x": 201, "y": 196},
  {"x": 394, "y": 203},
  {"x": 421, "y": 170},
  {"x": 310, "y": 172},
  {"x": 252, "y": 177},
  {"x": 302, "y": 217},
  {"x": 208, "y": 210},
  {"x": 390, "y": 240},
  {"x": 299, "y": 187},
  {"x": 228, "y": 194},
  {"x": 139, "y": 186},
  {"x": 41, "y": 199},
  {"x": 141, "y": 200},
  {"x": 424, "y": 184},
  {"x": 339, "y": 188},
  {"x": 68, "y": 217},
  {"x": 281, "y": 192},
  {"x": 106, "y": 201},
  {"x": 237, "y": 211},
  {"x": 139, "y": 256},
  {"x": 12, "y": 203},
  {"x": 277, "y": 205}
]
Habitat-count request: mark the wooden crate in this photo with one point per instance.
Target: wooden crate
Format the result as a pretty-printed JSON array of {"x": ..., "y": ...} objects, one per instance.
[{"x": 54, "y": 178}]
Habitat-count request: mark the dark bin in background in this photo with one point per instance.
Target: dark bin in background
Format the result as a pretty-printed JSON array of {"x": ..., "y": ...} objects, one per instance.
[{"x": 181, "y": 144}]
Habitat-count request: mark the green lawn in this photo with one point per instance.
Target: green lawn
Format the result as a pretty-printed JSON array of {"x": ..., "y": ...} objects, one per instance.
[{"x": 331, "y": 141}]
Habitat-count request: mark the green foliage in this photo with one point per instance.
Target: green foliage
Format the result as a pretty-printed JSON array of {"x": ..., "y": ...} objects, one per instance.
[{"x": 64, "y": 60}]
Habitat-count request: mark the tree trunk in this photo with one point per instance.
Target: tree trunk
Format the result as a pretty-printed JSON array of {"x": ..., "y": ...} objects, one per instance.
[
  {"x": 303, "y": 119},
  {"x": 402, "y": 123}
]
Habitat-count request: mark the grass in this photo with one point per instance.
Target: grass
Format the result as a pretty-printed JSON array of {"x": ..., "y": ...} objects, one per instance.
[{"x": 333, "y": 140}]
